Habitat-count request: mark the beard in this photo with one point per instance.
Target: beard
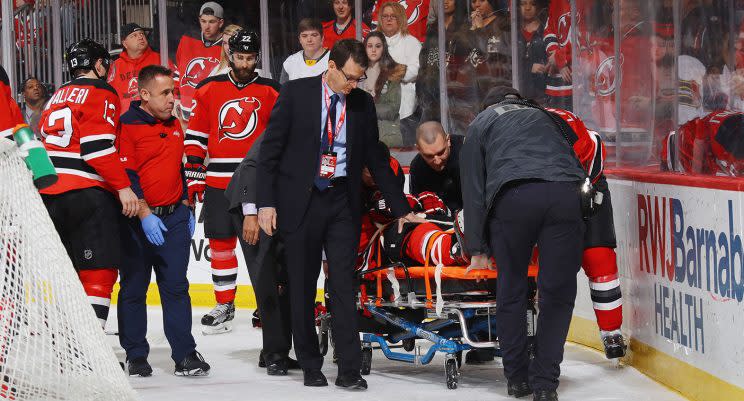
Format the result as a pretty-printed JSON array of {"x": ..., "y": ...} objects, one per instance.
[{"x": 242, "y": 75}]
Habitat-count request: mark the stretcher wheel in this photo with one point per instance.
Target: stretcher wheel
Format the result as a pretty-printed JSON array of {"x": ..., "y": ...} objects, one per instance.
[
  {"x": 458, "y": 358},
  {"x": 452, "y": 374},
  {"x": 409, "y": 344},
  {"x": 366, "y": 360},
  {"x": 531, "y": 347}
]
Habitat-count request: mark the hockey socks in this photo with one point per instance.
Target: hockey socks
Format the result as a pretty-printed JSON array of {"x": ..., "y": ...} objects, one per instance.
[
  {"x": 600, "y": 265},
  {"x": 224, "y": 268},
  {"x": 98, "y": 285}
]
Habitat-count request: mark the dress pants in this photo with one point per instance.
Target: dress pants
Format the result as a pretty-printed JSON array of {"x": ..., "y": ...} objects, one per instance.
[
  {"x": 264, "y": 261},
  {"x": 548, "y": 214},
  {"x": 170, "y": 262},
  {"x": 328, "y": 224}
]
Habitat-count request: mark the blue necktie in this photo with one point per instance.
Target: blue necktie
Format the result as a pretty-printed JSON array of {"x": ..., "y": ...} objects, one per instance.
[{"x": 320, "y": 182}]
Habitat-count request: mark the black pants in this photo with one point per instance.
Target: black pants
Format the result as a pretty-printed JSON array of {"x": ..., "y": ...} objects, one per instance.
[
  {"x": 547, "y": 214},
  {"x": 263, "y": 261},
  {"x": 328, "y": 225}
]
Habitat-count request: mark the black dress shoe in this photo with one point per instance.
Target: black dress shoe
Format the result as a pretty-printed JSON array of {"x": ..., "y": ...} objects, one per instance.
[
  {"x": 261, "y": 360},
  {"x": 277, "y": 368},
  {"x": 518, "y": 389},
  {"x": 351, "y": 382},
  {"x": 292, "y": 364},
  {"x": 545, "y": 395},
  {"x": 315, "y": 378}
]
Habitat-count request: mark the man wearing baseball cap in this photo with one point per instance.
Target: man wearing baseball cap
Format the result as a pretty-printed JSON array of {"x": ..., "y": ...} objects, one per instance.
[
  {"x": 197, "y": 57},
  {"x": 136, "y": 54}
]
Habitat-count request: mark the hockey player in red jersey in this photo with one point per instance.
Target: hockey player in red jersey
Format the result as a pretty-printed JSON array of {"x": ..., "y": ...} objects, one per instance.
[
  {"x": 712, "y": 145},
  {"x": 557, "y": 37},
  {"x": 11, "y": 114},
  {"x": 80, "y": 126},
  {"x": 136, "y": 55},
  {"x": 197, "y": 57},
  {"x": 232, "y": 111},
  {"x": 417, "y": 12}
]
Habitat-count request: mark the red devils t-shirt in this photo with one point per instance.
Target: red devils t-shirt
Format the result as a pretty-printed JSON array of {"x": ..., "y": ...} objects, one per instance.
[
  {"x": 226, "y": 120},
  {"x": 195, "y": 59},
  {"x": 11, "y": 114},
  {"x": 331, "y": 34},
  {"x": 124, "y": 72},
  {"x": 417, "y": 12}
]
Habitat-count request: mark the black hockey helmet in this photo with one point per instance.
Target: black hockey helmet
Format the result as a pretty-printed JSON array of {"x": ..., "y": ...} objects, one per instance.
[
  {"x": 84, "y": 54},
  {"x": 244, "y": 41}
]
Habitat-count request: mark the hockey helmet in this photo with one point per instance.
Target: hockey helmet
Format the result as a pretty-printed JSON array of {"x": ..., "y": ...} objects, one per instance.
[
  {"x": 727, "y": 145},
  {"x": 244, "y": 41},
  {"x": 84, "y": 54}
]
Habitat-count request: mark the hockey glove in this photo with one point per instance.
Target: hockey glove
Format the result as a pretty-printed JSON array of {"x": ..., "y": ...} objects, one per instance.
[
  {"x": 196, "y": 175},
  {"x": 431, "y": 203},
  {"x": 154, "y": 228}
]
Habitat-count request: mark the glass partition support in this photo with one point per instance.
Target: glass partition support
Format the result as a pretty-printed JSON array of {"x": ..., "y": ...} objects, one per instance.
[
  {"x": 617, "y": 67},
  {"x": 163, "y": 33},
  {"x": 441, "y": 44},
  {"x": 8, "y": 51},
  {"x": 574, "y": 38},
  {"x": 677, "y": 18},
  {"x": 265, "y": 44},
  {"x": 57, "y": 56},
  {"x": 358, "y": 12},
  {"x": 515, "y": 32},
  {"x": 118, "y": 21},
  {"x": 732, "y": 38}
]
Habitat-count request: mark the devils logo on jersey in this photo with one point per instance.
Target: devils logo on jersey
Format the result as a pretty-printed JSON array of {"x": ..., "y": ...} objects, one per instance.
[
  {"x": 198, "y": 69},
  {"x": 413, "y": 9},
  {"x": 132, "y": 88},
  {"x": 238, "y": 118},
  {"x": 607, "y": 76},
  {"x": 564, "y": 28}
]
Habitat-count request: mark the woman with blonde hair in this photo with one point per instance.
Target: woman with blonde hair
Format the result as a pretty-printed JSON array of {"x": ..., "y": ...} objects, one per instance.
[
  {"x": 404, "y": 49},
  {"x": 224, "y": 66}
]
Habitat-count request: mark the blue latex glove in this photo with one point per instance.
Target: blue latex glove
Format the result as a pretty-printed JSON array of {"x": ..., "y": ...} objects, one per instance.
[
  {"x": 192, "y": 224},
  {"x": 154, "y": 228}
]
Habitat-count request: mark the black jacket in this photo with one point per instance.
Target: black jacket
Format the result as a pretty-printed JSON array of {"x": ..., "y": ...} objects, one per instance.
[
  {"x": 446, "y": 184},
  {"x": 242, "y": 187},
  {"x": 288, "y": 163},
  {"x": 506, "y": 143}
]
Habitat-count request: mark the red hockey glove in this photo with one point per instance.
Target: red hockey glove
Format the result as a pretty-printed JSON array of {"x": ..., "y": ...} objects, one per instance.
[
  {"x": 414, "y": 203},
  {"x": 196, "y": 174},
  {"x": 431, "y": 203}
]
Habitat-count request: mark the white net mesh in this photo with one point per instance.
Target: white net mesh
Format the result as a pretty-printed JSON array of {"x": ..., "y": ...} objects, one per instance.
[{"x": 51, "y": 344}]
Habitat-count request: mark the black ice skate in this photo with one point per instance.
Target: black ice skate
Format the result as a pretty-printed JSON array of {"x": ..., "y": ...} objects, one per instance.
[
  {"x": 458, "y": 252},
  {"x": 192, "y": 365},
  {"x": 614, "y": 344},
  {"x": 139, "y": 367},
  {"x": 219, "y": 319}
]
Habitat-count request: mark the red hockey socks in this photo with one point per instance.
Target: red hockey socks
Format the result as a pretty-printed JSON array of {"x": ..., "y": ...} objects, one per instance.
[
  {"x": 600, "y": 265},
  {"x": 224, "y": 268},
  {"x": 98, "y": 285}
]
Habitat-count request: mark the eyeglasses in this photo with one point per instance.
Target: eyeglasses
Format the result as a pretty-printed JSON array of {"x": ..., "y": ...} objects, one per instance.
[
  {"x": 389, "y": 16},
  {"x": 357, "y": 81}
]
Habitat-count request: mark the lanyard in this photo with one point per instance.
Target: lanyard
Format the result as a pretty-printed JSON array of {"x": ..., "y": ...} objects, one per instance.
[{"x": 341, "y": 119}]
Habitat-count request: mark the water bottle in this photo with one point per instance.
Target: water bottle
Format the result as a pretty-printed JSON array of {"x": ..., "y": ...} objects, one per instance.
[{"x": 36, "y": 157}]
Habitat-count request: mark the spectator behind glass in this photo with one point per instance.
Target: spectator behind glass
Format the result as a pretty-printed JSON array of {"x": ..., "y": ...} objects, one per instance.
[
  {"x": 459, "y": 77},
  {"x": 343, "y": 26},
  {"x": 404, "y": 49},
  {"x": 491, "y": 45},
  {"x": 224, "y": 66},
  {"x": 532, "y": 50},
  {"x": 34, "y": 97},
  {"x": 312, "y": 60},
  {"x": 383, "y": 82}
]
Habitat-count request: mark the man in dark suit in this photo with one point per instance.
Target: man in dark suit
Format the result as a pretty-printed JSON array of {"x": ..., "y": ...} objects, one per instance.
[{"x": 321, "y": 134}]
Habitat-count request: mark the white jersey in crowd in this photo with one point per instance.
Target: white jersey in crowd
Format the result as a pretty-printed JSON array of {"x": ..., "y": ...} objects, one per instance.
[
  {"x": 295, "y": 67},
  {"x": 691, "y": 73},
  {"x": 405, "y": 50}
]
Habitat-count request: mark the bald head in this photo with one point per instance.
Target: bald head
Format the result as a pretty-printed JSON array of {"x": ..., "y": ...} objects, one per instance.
[
  {"x": 428, "y": 133},
  {"x": 433, "y": 144}
]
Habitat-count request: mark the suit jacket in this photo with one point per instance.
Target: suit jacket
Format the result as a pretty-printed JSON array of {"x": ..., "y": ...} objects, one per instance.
[
  {"x": 288, "y": 163},
  {"x": 242, "y": 186}
]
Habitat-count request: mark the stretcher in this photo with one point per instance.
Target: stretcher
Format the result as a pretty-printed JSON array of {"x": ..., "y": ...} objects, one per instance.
[{"x": 447, "y": 306}]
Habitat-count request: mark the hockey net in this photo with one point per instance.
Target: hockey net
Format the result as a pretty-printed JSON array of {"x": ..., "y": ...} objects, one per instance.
[{"x": 51, "y": 344}]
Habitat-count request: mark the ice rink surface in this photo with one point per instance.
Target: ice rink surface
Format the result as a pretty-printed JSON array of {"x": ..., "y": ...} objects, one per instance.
[{"x": 235, "y": 376}]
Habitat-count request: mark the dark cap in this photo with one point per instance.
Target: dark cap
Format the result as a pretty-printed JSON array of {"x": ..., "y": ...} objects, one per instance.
[
  {"x": 131, "y": 28},
  {"x": 498, "y": 94}
]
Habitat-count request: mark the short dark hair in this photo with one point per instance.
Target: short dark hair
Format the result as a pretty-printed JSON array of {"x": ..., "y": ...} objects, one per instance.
[
  {"x": 147, "y": 74},
  {"x": 310, "y": 24},
  {"x": 346, "y": 49}
]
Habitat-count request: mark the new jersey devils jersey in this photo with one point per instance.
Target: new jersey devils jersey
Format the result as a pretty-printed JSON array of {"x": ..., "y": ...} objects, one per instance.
[
  {"x": 124, "y": 72},
  {"x": 195, "y": 58},
  {"x": 557, "y": 37},
  {"x": 711, "y": 145},
  {"x": 417, "y": 12},
  {"x": 226, "y": 120},
  {"x": 331, "y": 34},
  {"x": 588, "y": 147},
  {"x": 12, "y": 114},
  {"x": 79, "y": 127}
]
